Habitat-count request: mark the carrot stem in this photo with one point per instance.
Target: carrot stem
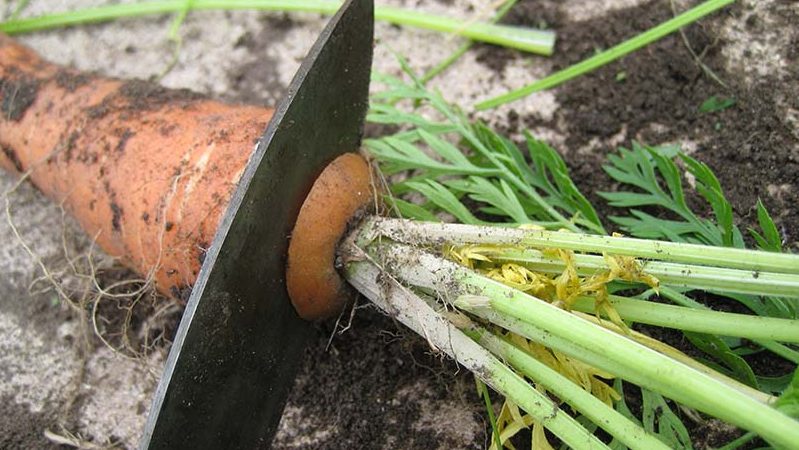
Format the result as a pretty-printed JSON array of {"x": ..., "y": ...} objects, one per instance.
[
  {"x": 607, "y": 350},
  {"x": 526, "y": 39},
  {"x": 417, "y": 314}
]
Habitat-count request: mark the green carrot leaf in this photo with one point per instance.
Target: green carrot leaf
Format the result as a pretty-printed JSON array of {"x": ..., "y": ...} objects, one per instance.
[
  {"x": 789, "y": 400},
  {"x": 444, "y": 199},
  {"x": 410, "y": 210},
  {"x": 655, "y": 181},
  {"x": 445, "y": 149},
  {"x": 660, "y": 420},
  {"x": 720, "y": 351},
  {"x": 473, "y": 160},
  {"x": 709, "y": 187},
  {"x": 552, "y": 176},
  {"x": 770, "y": 240},
  {"x": 715, "y": 104},
  {"x": 499, "y": 195}
]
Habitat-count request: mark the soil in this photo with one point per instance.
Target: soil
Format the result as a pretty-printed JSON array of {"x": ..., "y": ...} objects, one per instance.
[
  {"x": 258, "y": 81},
  {"x": 654, "y": 95},
  {"x": 375, "y": 382},
  {"x": 25, "y": 431}
]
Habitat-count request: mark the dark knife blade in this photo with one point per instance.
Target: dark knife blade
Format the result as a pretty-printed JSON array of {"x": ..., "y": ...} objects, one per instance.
[{"x": 240, "y": 342}]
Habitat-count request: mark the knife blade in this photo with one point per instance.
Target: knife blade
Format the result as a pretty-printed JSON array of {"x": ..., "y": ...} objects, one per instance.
[{"x": 240, "y": 342}]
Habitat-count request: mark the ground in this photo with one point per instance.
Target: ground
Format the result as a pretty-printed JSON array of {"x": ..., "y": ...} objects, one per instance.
[{"x": 377, "y": 385}]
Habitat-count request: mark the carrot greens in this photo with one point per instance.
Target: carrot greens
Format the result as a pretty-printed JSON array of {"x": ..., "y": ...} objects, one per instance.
[{"x": 531, "y": 276}]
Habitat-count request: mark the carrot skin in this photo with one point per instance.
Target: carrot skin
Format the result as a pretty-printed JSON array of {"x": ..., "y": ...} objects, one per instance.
[{"x": 146, "y": 170}]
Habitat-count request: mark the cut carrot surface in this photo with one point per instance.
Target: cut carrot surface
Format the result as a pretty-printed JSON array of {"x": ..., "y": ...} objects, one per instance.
[{"x": 314, "y": 285}]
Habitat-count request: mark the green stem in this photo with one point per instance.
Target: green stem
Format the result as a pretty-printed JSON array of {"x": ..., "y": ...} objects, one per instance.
[
  {"x": 628, "y": 432},
  {"x": 482, "y": 389},
  {"x": 445, "y": 64},
  {"x": 457, "y": 234},
  {"x": 678, "y": 356},
  {"x": 779, "y": 349},
  {"x": 607, "y": 56},
  {"x": 657, "y": 372},
  {"x": 535, "y": 41},
  {"x": 774, "y": 347},
  {"x": 739, "y": 442},
  {"x": 700, "y": 321},
  {"x": 403, "y": 305},
  {"x": 626, "y": 358},
  {"x": 566, "y": 346},
  {"x": 427, "y": 276},
  {"x": 673, "y": 274},
  {"x": 174, "y": 28}
]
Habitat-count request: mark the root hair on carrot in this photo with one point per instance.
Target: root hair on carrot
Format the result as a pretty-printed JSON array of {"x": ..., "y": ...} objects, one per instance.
[{"x": 112, "y": 306}]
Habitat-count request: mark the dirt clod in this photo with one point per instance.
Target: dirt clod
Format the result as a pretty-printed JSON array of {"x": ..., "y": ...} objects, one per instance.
[
  {"x": 145, "y": 95},
  {"x": 116, "y": 218},
  {"x": 70, "y": 81},
  {"x": 12, "y": 156},
  {"x": 124, "y": 135},
  {"x": 17, "y": 95}
]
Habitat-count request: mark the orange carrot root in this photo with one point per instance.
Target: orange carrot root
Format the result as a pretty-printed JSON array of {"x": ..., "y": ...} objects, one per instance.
[
  {"x": 315, "y": 287},
  {"x": 147, "y": 170}
]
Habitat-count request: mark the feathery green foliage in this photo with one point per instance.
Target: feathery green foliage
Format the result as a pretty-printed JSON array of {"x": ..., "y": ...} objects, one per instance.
[
  {"x": 474, "y": 164},
  {"x": 657, "y": 182},
  {"x": 439, "y": 161}
]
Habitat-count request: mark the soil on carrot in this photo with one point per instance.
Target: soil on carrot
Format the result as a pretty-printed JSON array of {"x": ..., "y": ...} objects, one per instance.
[{"x": 17, "y": 95}]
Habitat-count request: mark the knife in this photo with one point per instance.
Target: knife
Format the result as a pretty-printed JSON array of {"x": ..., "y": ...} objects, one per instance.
[{"x": 240, "y": 341}]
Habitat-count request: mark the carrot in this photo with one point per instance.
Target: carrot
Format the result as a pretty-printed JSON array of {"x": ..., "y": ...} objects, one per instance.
[
  {"x": 343, "y": 189},
  {"x": 146, "y": 170},
  {"x": 149, "y": 172}
]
